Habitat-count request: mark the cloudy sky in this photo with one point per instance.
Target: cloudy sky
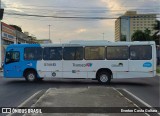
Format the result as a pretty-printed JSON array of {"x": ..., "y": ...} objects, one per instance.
[{"x": 63, "y": 29}]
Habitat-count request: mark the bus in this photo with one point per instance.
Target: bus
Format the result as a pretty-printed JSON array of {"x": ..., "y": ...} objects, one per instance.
[{"x": 102, "y": 61}]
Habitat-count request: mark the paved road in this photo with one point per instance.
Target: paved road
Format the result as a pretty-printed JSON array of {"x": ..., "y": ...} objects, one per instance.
[{"x": 14, "y": 91}]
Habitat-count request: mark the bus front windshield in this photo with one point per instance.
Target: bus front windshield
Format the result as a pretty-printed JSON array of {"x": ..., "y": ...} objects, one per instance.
[{"x": 12, "y": 56}]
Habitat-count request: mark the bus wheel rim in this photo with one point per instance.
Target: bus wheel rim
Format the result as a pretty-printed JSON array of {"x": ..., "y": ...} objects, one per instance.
[
  {"x": 104, "y": 78},
  {"x": 31, "y": 77}
]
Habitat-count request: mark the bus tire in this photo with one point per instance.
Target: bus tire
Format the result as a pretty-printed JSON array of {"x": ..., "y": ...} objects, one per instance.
[
  {"x": 104, "y": 77},
  {"x": 30, "y": 76},
  {"x": 40, "y": 79}
]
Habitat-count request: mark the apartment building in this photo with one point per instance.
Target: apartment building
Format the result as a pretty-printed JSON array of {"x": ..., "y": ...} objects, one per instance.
[{"x": 128, "y": 23}]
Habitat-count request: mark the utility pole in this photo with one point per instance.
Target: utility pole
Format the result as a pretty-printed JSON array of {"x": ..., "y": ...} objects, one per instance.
[
  {"x": 49, "y": 31},
  {"x": 103, "y": 36}
]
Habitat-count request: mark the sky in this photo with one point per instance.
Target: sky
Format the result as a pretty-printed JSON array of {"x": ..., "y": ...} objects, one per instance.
[{"x": 63, "y": 29}]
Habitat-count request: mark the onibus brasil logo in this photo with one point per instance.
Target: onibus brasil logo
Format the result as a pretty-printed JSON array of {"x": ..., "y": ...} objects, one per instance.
[{"x": 82, "y": 65}]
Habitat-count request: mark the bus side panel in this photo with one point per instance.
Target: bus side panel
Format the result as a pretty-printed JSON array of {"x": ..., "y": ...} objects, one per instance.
[
  {"x": 154, "y": 54},
  {"x": 14, "y": 69},
  {"x": 139, "y": 67},
  {"x": 75, "y": 68},
  {"x": 47, "y": 69},
  {"x": 136, "y": 74},
  {"x": 113, "y": 65}
]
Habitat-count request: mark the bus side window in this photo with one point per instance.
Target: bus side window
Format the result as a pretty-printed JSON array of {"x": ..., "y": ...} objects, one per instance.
[{"x": 133, "y": 55}]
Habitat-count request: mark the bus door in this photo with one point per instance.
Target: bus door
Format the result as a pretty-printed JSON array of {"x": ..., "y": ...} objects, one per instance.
[
  {"x": 51, "y": 65},
  {"x": 73, "y": 64},
  {"x": 141, "y": 61},
  {"x": 12, "y": 66}
]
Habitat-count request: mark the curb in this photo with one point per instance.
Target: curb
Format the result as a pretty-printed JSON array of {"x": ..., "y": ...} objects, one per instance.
[{"x": 158, "y": 74}]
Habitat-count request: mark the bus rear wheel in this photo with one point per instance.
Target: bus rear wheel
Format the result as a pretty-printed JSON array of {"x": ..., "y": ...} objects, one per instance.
[
  {"x": 104, "y": 77},
  {"x": 30, "y": 76}
]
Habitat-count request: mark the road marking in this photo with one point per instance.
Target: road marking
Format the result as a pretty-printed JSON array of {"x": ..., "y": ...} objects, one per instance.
[
  {"x": 129, "y": 99},
  {"x": 140, "y": 100},
  {"x": 27, "y": 100},
  {"x": 137, "y": 98}
]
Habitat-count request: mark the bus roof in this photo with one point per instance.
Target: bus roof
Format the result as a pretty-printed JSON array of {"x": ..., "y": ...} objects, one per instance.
[{"x": 94, "y": 43}]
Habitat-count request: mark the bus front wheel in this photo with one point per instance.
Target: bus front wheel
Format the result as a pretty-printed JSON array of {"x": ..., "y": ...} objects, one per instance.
[
  {"x": 104, "y": 77},
  {"x": 30, "y": 76}
]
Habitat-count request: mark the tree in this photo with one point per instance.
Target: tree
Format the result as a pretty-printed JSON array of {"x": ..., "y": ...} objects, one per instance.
[
  {"x": 138, "y": 36},
  {"x": 156, "y": 36},
  {"x": 157, "y": 25},
  {"x": 147, "y": 33},
  {"x": 1, "y": 13},
  {"x": 17, "y": 27}
]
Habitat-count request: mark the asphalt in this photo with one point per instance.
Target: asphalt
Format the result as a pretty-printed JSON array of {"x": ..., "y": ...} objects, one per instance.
[
  {"x": 90, "y": 101},
  {"x": 96, "y": 96}
]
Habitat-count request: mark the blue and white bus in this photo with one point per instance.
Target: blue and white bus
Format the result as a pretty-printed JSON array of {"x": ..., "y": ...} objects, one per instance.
[{"x": 95, "y": 60}]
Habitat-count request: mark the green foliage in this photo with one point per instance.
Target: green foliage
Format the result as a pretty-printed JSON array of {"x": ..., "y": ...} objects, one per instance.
[
  {"x": 138, "y": 36},
  {"x": 158, "y": 70},
  {"x": 146, "y": 34},
  {"x": 157, "y": 25},
  {"x": 155, "y": 36},
  {"x": 1, "y": 13},
  {"x": 142, "y": 36},
  {"x": 17, "y": 27}
]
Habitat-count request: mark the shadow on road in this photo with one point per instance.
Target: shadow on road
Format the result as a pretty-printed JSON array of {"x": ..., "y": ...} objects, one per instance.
[{"x": 77, "y": 83}]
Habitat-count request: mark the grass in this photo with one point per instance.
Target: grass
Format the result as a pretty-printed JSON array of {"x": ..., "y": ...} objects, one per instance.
[{"x": 158, "y": 69}]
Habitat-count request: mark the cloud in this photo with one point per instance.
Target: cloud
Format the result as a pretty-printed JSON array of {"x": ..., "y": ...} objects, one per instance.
[
  {"x": 113, "y": 4},
  {"x": 70, "y": 29},
  {"x": 81, "y": 30}
]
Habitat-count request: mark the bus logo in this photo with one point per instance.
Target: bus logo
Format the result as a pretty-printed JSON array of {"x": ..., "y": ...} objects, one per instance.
[
  {"x": 82, "y": 65},
  {"x": 147, "y": 64},
  {"x": 49, "y": 64}
]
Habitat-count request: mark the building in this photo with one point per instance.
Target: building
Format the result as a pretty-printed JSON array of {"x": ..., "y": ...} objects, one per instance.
[
  {"x": 128, "y": 23},
  {"x": 9, "y": 35},
  {"x": 44, "y": 41}
]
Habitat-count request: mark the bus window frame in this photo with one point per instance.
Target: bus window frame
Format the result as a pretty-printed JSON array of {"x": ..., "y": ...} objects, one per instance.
[
  {"x": 32, "y": 59},
  {"x": 12, "y": 61},
  {"x": 95, "y": 59},
  {"x": 119, "y": 46},
  {"x": 50, "y": 59},
  {"x": 73, "y": 47},
  {"x": 140, "y": 59}
]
